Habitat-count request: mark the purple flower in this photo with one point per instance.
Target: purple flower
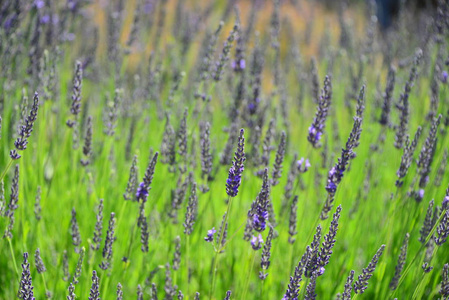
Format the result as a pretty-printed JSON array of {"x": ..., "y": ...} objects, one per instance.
[
  {"x": 39, "y": 4},
  {"x": 142, "y": 192},
  {"x": 238, "y": 65},
  {"x": 445, "y": 202},
  {"x": 260, "y": 219},
  {"x": 303, "y": 165},
  {"x": 210, "y": 235},
  {"x": 444, "y": 76},
  {"x": 45, "y": 19},
  {"x": 256, "y": 242},
  {"x": 420, "y": 194},
  {"x": 331, "y": 187},
  {"x": 315, "y": 132}
]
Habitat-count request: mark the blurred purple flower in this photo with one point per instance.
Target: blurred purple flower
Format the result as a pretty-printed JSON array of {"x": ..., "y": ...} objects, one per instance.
[
  {"x": 142, "y": 192},
  {"x": 45, "y": 19},
  {"x": 444, "y": 76},
  {"x": 39, "y": 4},
  {"x": 303, "y": 165},
  {"x": 256, "y": 242},
  {"x": 210, "y": 235}
]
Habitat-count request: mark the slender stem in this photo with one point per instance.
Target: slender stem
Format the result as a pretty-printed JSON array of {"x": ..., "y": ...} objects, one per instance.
[
  {"x": 13, "y": 258},
  {"x": 245, "y": 290},
  {"x": 45, "y": 283},
  {"x": 219, "y": 248},
  {"x": 105, "y": 289},
  {"x": 6, "y": 169},
  {"x": 214, "y": 271},
  {"x": 188, "y": 265},
  {"x": 262, "y": 289}
]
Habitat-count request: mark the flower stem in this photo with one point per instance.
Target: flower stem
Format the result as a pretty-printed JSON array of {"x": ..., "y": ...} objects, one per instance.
[
  {"x": 6, "y": 169},
  {"x": 188, "y": 265},
  {"x": 245, "y": 290},
  {"x": 218, "y": 249},
  {"x": 13, "y": 258}
]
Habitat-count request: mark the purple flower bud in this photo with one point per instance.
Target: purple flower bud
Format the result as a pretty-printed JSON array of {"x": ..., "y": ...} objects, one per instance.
[
  {"x": 303, "y": 165},
  {"x": 421, "y": 194},
  {"x": 210, "y": 235},
  {"x": 256, "y": 242}
]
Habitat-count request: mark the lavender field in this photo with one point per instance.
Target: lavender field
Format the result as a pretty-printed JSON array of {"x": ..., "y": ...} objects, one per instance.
[{"x": 241, "y": 149}]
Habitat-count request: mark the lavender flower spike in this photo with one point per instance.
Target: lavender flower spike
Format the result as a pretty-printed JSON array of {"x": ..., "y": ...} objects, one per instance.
[
  {"x": 145, "y": 185},
  {"x": 292, "y": 292},
  {"x": 316, "y": 130},
  {"x": 110, "y": 238},
  {"x": 401, "y": 262},
  {"x": 266, "y": 254},
  {"x": 348, "y": 286},
  {"x": 260, "y": 216},
  {"x": 236, "y": 170},
  {"x": 25, "y": 130},
  {"x": 26, "y": 285},
  {"x": 75, "y": 108},
  {"x": 328, "y": 243},
  {"x": 362, "y": 281},
  {"x": 95, "y": 290},
  {"x": 39, "y": 262}
]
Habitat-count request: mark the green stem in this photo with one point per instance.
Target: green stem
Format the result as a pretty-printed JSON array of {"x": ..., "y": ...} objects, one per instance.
[
  {"x": 219, "y": 248},
  {"x": 13, "y": 258},
  {"x": 188, "y": 265},
  {"x": 6, "y": 169},
  {"x": 245, "y": 290},
  {"x": 45, "y": 283},
  {"x": 105, "y": 288}
]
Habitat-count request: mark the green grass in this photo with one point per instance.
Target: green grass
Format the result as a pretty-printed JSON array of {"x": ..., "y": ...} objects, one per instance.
[{"x": 374, "y": 211}]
